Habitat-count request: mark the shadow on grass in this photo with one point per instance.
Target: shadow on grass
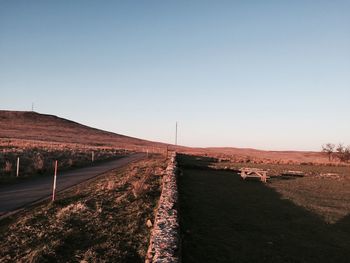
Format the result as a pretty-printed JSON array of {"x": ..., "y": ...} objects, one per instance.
[
  {"x": 226, "y": 219},
  {"x": 197, "y": 162}
]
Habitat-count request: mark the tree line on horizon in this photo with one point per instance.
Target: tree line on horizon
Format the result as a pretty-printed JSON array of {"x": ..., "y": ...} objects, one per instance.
[{"x": 341, "y": 152}]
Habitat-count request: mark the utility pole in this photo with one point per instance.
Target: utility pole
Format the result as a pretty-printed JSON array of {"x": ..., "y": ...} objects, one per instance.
[
  {"x": 32, "y": 106},
  {"x": 176, "y": 134}
]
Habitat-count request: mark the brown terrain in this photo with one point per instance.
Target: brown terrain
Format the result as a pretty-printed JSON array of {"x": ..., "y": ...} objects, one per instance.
[
  {"x": 274, "y": 156},
  {"x": 104, "y": 220},
  {"x": 291, "y": 218},
  {"x": 42, "y": 127},
  {"x": 18, "y": 128}
]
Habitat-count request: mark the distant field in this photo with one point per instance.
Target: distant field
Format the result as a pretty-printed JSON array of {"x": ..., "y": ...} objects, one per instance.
[
  {"x": 226, "y": 219},
  {"x": 259, "y": 156},
  {"x": 100, "y": 221},
  {"x": 278, "y": 169}
]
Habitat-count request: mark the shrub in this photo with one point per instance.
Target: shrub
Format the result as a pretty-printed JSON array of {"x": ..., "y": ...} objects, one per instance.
[
  {"x": 38, "y": 163},
  {"x": 8, "y": 167}
]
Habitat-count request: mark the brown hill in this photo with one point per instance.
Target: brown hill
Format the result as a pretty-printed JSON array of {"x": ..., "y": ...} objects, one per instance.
[
  {"x": 34, "y": 126},
  {"x": 42, "y": 127}
]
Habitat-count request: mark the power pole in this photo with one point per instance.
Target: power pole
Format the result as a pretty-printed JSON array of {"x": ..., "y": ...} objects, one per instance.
[
  {"x": 176, "y": 134},
  {"x": 32, "y": 106}
]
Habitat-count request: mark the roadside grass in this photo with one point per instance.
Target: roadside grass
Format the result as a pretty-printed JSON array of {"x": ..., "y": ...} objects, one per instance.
[
  {"x": 226, "y": 219},
  {"x": 99, "y": 221},
  {"x": 38, "y": 159}
]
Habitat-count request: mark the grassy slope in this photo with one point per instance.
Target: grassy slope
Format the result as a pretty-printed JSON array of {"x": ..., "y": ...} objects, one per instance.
[
  {"x": 35, "y": 126},
  {"x": 102, "y": 221},
  {"x": 225, "y": 219}
]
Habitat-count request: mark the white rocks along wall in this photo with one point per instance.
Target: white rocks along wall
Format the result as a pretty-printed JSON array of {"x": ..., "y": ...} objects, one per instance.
[{"x": 165, "y": 238}]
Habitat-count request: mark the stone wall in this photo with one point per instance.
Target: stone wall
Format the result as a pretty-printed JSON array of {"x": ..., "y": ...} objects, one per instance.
[{"x": 165, "y": 238}]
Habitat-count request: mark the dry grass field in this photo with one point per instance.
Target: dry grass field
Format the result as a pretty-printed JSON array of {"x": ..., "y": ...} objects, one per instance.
[
  {"x": 289, "y": 219},
  {"x": 48, "y": 128},
  {"x": 324, "y": 189},
  {"x": 32, "y": 127},
  {"x": 260, "y": 156},
  {"x": 37, "y": 158},
  {"x": 100, "y": 221},
  {"x": 279, "y": 169},
  {"x": 223, "y": 218}
]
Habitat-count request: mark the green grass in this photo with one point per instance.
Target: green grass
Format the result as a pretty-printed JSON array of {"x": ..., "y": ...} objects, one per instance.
[{"x": 226, "y": 219}]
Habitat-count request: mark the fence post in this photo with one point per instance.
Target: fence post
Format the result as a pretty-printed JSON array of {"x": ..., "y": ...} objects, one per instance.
[
  {"x": 92, "y": 156},
  {"x": 17, "y": 172},
  {"x": 54, "y": 183}
]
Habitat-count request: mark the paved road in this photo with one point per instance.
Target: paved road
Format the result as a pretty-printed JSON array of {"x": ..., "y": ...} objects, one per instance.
[{"x": 13, "y": 197}]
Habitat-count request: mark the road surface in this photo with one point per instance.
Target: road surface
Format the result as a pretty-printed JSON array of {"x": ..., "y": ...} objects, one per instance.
[{"x": 13, "y": 197}]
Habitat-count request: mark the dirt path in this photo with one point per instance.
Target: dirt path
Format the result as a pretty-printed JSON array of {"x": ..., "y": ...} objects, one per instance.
[{"x": 13, "y": 197}]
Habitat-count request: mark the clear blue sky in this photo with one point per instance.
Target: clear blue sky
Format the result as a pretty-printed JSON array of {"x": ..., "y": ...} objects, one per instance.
[{"x": 260, "y": 74}]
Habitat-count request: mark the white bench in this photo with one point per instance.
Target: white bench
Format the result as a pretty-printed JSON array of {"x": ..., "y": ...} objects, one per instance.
[{"x": 254, "y": 173}]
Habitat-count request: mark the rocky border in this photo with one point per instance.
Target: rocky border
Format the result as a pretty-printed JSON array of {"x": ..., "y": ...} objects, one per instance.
[{"x": 165, "y": 240}]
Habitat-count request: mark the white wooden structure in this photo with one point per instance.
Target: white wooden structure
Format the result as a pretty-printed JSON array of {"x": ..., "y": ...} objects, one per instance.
[{"x": 254, "y": 173}]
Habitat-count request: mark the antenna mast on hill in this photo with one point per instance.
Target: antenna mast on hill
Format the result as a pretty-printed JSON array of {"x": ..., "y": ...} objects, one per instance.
[{"x": 32, "y": 106}]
